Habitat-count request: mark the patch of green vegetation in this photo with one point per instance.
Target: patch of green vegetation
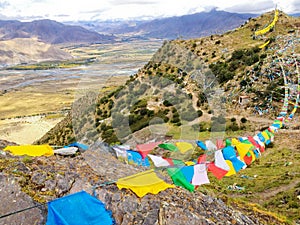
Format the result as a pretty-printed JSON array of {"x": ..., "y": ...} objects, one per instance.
[
  {"x": 240, "y": 58},
  {"x": 273, "y": 180},
  {"x": 53, "y": 65}
]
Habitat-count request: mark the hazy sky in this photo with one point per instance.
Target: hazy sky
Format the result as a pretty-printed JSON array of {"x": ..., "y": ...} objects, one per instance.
[{"x": 66, "y": 10}]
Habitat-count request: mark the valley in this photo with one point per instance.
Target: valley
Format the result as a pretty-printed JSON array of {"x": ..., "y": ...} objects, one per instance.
[{"x": 44, "y": 93}]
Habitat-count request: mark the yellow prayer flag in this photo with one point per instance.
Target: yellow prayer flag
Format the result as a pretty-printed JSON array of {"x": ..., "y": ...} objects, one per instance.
[
  {"x": 231, "y": 171},
  {"x": 184, "y": 146},
  {"x": 143, "y": 183},
  {"x": 31, "y": 150}
]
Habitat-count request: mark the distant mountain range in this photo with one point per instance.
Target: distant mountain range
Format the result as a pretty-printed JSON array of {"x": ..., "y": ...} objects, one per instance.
[
  {"x": 296, "y": 15},
  {"x": 187, "y": 26},
  {"x": 50, "y": 31}
]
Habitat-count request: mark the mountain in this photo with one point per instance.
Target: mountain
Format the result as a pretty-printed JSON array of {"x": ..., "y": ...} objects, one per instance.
[
  {"x": 193, "y": 86},
  {"x": 29, "y": 50},
  {"x": 50, "y": 31},
  {"x": 295, "y": 14},
  {"x": 187, "y": 26}
]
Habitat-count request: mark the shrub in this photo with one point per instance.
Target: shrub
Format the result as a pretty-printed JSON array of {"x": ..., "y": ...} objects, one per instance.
[
  {"x": 199, "y": 112},
  {"x": 243, "y": 120},
  {"x": 175, "y": 120},
  {"x": 178, "y": 124},
  {"x": 167, "y": 103},
  {"x": 233, "y": 127}
]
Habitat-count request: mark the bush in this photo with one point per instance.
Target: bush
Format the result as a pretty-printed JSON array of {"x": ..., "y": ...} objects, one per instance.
[
  {"x": 178, "y": 124},
  {"x": 243, "y": 120},
  {"x": 175, "y": 120},
  {"x": 200, "y": 113},
  {"x": 204, "y": 126},
  {"x": 233, "y": 127},
  {"x": 167, "y": 103}
]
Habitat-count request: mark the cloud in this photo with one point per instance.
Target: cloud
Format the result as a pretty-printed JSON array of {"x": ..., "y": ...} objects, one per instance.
[
  {"x": 252, "y": 6},
  {"x": 133, "y": 2},
  {"x": 132, "y": 9},
  {"x": 4, "y": 4},
  {"x": 291, "y": 6}
]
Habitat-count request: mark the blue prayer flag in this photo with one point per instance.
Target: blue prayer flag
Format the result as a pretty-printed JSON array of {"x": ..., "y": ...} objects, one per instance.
[{"x": 78, "y": 209}]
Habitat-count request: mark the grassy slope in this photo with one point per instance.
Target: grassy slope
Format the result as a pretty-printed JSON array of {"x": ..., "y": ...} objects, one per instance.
[{"x": 272, "y": 181}]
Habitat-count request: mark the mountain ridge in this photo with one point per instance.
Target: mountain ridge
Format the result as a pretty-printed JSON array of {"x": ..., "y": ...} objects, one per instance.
[
  {"x": 50, "y": 31},
  {"x": 186, "y": 26}
]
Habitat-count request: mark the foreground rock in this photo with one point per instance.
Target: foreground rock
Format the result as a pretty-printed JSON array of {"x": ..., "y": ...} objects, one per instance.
[
  {"x": 47, "y": 178},
  {"x": 13, "y": 199}
]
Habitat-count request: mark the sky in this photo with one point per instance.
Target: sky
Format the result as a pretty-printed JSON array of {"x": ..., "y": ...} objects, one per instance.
[{"x": 86, "y": 10}]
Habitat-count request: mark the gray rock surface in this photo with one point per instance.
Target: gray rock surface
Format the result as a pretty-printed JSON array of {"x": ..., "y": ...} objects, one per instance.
[
  {"x": 13, "y": 199},
  {"x": 47, "y": 178}
]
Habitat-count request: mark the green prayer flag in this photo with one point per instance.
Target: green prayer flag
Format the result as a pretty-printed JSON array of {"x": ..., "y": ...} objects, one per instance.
[
  {"x": 179, "y": 179},
  {"x": 168, "y": 146},
  {"x": 228, "y": 142}
]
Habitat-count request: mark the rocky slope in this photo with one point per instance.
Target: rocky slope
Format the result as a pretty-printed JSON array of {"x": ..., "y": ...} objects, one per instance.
[{"x": 45, "y": 178}]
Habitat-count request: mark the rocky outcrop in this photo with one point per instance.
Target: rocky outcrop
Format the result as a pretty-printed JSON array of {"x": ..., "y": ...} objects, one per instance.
[
  {"x": 4, "y": 143},
  {"x": 13, "y": 199},
  {"x": 173, "y": 206},
  {"x": 26, "y": 181}
]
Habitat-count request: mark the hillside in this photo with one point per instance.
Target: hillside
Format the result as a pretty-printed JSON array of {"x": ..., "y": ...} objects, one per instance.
[
  {"x": 195, "y": 86},
  {"x": 178, "y": 83},
  {"x": 29, "y": 50},
  {"x": 51, "y": 32}
]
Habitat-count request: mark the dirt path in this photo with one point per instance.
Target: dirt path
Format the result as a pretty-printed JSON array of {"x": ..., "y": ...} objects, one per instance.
[
  {"x": 274, "y": 191},
  {"x": 265, "y": 195}
]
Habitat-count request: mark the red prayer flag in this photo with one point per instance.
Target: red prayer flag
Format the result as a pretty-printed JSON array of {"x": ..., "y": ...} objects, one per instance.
[
  {"x": 217, "y": 172},
  {"x": 145, "y": 149}
]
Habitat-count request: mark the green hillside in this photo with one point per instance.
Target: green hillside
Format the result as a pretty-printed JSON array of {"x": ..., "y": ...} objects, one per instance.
[{"x": 180, "y": 84}]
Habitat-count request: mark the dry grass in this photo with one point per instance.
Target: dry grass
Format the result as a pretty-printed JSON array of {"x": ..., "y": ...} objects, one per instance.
[{"x": 33, "y": 100}]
